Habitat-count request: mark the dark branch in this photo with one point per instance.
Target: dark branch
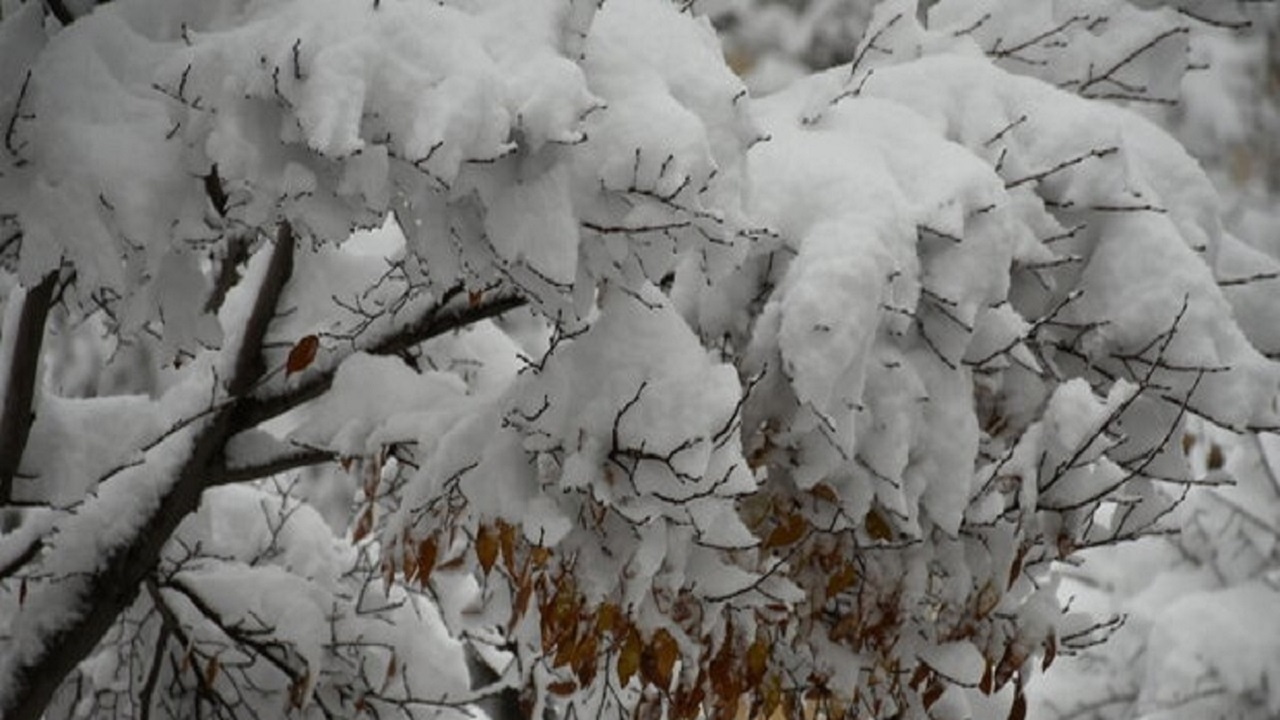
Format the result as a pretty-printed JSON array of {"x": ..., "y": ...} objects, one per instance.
[
  {"x": 302, "y": 457},
  {"x": 60, "y": 11},
  {"x": 440, "y": 319},
  {"x": 111, "y": 587},
  {"x": 16, "y": 416}
]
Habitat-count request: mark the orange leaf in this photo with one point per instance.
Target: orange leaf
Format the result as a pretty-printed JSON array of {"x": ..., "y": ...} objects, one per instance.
[
  {"x": 301, "y": 355},
  {"x": 562, "y": 688},
  {"x": 211, "y": 670},
  {"x": 363, "y": 525},
  {"x": 486, "y": 548},
  {"x": 771, "y": 698},
  {"x": 566, "y": 647},
  {"x": 453, "y": 563},
  {"x": 824, "y": 491},
  {"x": 658, "y": 659},
  {"x": 427, "y": 551},
  {"x": 877, "y": 527},
  {"x": 1216, "y": 457},
  {"x": 540, "y": 555},
  {"x": 757, "y": 661},
  {"x": 1016, "y": 569},
  {"x": 298, "y": 690},
  {"x": 1019, "y": 709},
  {"x": 841, "y": 580},
  {"x": 988, "y": 682},
  {"x": 789, "y": 531},
  {"x": 726, "y": 708},
  {"x": 474, "y": 297},
  {"x": 507, "y": 541},
  {"x": 584, "y": 659},
  {"x": 932, "y": 694},
  {"x": 1050, "y": 652},
  {"x": 723, "y": 671},
  {"x": 629, "y": 657},
  {"x": 522, "y": 602},
  {"x": 607, "y": 618}
]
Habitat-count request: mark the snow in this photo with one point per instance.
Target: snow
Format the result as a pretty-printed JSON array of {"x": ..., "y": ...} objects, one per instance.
[
  {"x": 959, "y": 661},
  {"x": 1200, "y": 634},
  {"x": 349, "y": 417},
  {"x": 105, "y": 523},
  {"x": 72, "y": 440},
  {"x": 916, "y": 316},
  {"x": 533, "y": 221}
]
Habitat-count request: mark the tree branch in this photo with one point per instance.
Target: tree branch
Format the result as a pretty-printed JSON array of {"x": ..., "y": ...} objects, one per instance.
[
  {"x": 437, "y": 320},
  {"x": 60, "y": 11},
  {"x": 16, "y": 416},
  {"x": 111, "y": 586},
  {"x": 301, "y": 457}
]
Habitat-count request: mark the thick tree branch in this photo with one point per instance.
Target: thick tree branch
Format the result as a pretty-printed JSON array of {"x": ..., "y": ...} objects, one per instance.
[
  {"x": 111, "y": 587},
  {"x": 16, "y": 416},
  {"x": 438, "y": 320},
  {"x": 301, "y": 457},
  {"x": 60, "y": 11}
]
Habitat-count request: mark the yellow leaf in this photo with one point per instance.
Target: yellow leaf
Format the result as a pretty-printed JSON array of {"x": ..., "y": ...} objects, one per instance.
[
  {"x": 877, "y": 527},
  {"x": 757, "y": 661},
  {"x": 629, "y": 657}
]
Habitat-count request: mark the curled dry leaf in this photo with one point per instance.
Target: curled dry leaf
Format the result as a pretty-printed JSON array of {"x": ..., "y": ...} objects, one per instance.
[
  {"x": 301, "y": 355},
  {"x": 788, "y": 532},
  {"x": 877, "y": 527},
  {"x": 486, "y": 548}
]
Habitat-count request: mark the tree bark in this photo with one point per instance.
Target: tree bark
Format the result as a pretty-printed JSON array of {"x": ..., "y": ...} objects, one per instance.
[
  {"x": 111, "y": 589},
  {"x": 16, "y": 417}
]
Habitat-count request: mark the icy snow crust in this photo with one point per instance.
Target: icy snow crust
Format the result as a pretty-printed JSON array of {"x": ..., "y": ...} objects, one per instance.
[{"x": 926, "y": 291}]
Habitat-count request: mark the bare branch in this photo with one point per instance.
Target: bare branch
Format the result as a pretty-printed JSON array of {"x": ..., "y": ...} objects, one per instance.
[
  {"x": 441, "y": 318},
  {"x": 110, "y": 588},
  {"x": 19, "y": 391}
]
